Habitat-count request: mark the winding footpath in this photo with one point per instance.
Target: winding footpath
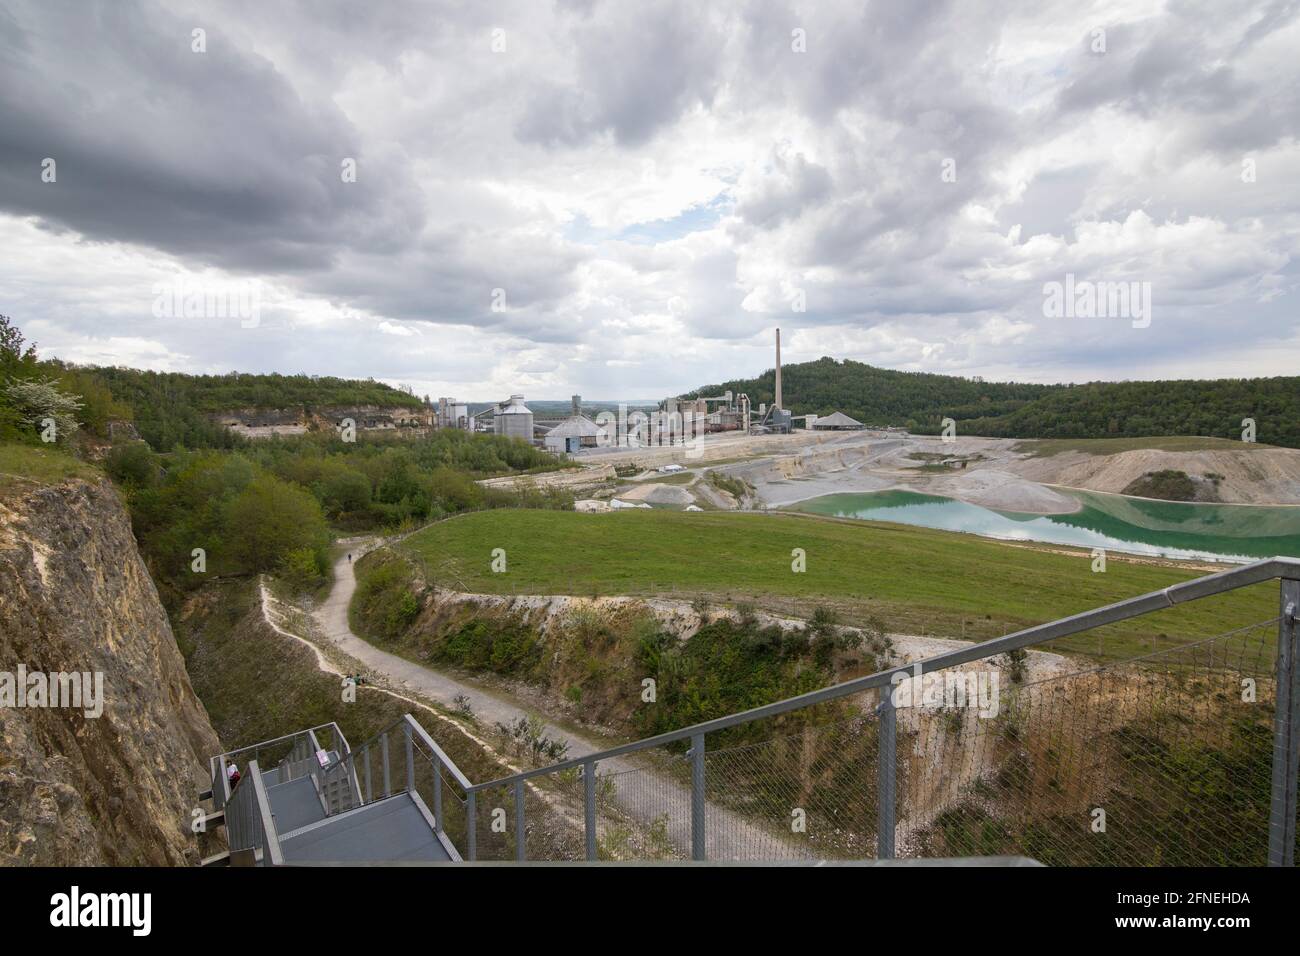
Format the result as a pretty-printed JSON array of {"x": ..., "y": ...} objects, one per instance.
[{"x": 648, "y": 796}]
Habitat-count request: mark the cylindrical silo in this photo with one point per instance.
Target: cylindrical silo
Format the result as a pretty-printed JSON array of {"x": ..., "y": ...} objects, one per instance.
[{"x": 515, "y": 420}]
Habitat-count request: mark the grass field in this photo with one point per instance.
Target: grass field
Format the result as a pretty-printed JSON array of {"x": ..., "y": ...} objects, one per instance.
[
  {"x": 41, "y": 464},
  {"x": 1047, "y": 447},
  {"x": 916, "y": 580}
]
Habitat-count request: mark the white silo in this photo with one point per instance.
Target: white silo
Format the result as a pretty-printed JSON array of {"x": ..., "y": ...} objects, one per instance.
[{"x": 514, "y": 420}]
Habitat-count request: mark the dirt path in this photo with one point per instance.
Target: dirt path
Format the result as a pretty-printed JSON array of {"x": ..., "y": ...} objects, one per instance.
[{"x": 646, "y": 795}]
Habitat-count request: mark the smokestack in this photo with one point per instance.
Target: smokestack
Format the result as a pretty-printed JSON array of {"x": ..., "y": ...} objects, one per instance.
[{"x": 778, "y": 370}]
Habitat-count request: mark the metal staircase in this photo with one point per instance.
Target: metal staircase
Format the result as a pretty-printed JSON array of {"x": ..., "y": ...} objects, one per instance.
[{"x": 309, "y": 807}]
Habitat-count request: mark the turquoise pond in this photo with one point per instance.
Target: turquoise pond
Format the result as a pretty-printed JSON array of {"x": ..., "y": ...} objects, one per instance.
[{"x": 1135, "y": 525}]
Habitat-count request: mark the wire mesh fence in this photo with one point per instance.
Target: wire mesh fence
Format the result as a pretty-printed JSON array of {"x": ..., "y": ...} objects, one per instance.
[
  {"x": 643, "y": 808},
  {"x": 1160, "y": 760},
  {"x": 810, "y": 794},
  {"x": 1164, "y": 759}
]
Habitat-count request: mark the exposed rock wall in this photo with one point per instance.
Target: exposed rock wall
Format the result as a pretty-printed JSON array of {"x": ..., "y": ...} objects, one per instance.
[
  {"x": 115, "y": 789},
  {"x": 297, "y": 420}
]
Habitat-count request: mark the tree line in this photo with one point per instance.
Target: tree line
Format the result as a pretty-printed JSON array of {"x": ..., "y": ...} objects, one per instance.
[{"x": 919, "y": 401}]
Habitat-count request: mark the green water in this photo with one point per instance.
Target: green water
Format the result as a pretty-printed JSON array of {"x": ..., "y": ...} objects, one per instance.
[{"x": 1136, "y": 525}]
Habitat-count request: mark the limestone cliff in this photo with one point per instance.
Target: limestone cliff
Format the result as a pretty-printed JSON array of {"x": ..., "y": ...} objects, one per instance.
[{"x": 115, "y": 789}]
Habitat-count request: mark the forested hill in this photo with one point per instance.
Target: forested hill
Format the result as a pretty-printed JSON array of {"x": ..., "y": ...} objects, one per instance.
[
  {"x": 171, "y": 408},
  {"x": 919, "y": 401},
  {"x": 878, "y": 396}
]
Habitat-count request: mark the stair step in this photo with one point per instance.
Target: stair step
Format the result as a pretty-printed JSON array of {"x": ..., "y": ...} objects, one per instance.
[
  {"x": 217, "y": 859},
  {"x": 214, "y": 819},
  {"x": 205, "y": 794}
]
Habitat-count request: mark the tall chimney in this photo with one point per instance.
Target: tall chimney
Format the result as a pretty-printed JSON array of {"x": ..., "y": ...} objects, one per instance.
[
  {"x": 778, "y": 370},
  {"x": 577, "y": 405}
]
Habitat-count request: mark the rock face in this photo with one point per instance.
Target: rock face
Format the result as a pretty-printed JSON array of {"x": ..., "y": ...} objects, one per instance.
[
  {"x": 115, "y": 789},
  {"x": 298, "y": 420}
]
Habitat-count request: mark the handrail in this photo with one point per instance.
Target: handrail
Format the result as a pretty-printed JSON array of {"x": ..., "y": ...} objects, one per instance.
[
  {"x": 250, "y": 824},
  {"x": 278, "y": 740},
  {"x": 408, "y": 720},
  {"x": 1217, "y": 583},
  {"x": 270, "y": 836},
  {"x": 439, "y": 752}
]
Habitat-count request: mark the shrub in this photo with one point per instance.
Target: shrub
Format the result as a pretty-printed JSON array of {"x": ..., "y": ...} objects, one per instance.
[{"x": 133, "y": 465}]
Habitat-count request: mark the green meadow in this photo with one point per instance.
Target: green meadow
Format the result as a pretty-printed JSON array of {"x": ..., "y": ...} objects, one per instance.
[{"x": 914, "y": 580}]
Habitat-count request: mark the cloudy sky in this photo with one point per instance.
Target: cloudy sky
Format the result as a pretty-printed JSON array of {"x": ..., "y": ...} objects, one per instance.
[{"x": 624, "y": 198}]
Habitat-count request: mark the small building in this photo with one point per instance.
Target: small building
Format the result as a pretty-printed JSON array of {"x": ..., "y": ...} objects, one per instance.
[{"x": 836, "y": 422}]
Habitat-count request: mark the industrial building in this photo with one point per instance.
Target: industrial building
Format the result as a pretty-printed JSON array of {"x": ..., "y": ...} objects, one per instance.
[
  {"x": 732, "y": 412},
  {"x": 574, "y": 433},
  {"x": 454, "y": 414}
]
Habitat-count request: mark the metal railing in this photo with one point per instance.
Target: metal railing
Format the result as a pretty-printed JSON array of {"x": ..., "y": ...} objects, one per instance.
[
  {"x": 873, "y": 740},
  {"x": 293, "y": 755},
  {"x": 403, "y": 758},
  {"x": 250, "y": 825},
  {"x": 1144, "y": 750}
]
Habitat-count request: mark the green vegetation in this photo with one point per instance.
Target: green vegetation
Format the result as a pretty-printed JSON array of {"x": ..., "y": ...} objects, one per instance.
[
  {"x": 920, "y": 401},
  {"x": 597, "y": 658},
  {"x": 34, "y": 392},
  {"x": 728, "y": 666},
  {"x": 736, "y": 487},
  {"x": 877, "y": 396},
  {"x": 171, "y": 408},
  {"x": 915, "y": 579},
  {"x": 45, "y": 464},
  {"x": 243, "y": 518},
  {"x": 384, "y": 604},
  {"x": 272, "y": 506},
  {"x": 1167, "y": 484},
  {"x": 1133, "y": 409}
]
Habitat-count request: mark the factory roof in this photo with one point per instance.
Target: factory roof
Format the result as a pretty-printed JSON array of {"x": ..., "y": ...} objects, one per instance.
[
  {"x": 515, "y": 406},
  {"x": 579, "y": 426},
  {"x": 836, "y": 420}
]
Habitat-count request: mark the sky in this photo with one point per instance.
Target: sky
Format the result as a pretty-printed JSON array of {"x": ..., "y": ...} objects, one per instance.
[{"x": 624, "y": 199}]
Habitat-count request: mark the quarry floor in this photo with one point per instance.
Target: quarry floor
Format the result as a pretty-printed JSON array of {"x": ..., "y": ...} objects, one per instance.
[{"x": 1026, "y": 476}]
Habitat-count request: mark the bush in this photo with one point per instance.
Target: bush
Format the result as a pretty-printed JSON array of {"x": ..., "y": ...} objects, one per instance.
[
  {"x": 133, "y": 465},
  {"x": 301, "y": 569},
  {"x": 384, "y": 606}
]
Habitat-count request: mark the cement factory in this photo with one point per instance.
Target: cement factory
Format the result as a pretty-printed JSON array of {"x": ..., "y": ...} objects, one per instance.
[{"x": 675, "y": 421}]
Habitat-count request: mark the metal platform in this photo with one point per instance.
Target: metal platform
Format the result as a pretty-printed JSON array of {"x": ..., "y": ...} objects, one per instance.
[{"x": 396, "y": 829}]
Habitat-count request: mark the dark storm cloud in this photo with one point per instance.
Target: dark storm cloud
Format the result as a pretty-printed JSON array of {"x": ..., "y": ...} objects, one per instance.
[{"x": 212, "y": 155}]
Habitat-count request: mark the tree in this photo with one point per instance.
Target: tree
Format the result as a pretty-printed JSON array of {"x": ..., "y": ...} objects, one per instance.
[
  {"x": 271, "y": 518},
  {"x": 39, "y": 401}
]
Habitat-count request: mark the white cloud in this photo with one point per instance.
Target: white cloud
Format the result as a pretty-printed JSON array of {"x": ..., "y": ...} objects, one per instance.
[{"x": 653, "y": 190}]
